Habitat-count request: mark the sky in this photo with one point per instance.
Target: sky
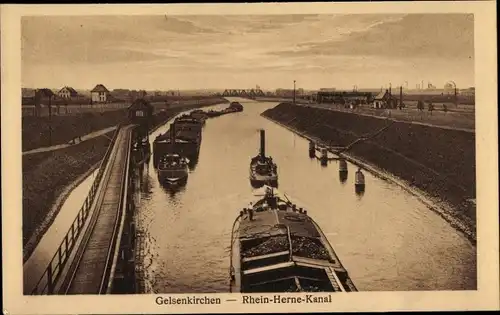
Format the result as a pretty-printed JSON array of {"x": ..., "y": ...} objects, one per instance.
[{"x": 242, "y": 51}]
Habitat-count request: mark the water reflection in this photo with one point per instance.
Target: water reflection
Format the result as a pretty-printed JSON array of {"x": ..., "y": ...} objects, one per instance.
[
  {"x": 173, "y": 190},
  {"x": 343, "y": 176},
  {"x": 360, "y": 192}
]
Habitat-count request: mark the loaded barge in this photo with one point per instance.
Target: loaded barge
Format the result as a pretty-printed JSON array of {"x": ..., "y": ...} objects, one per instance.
[
  {"x": 173, "y": 170},
  {"x": 183, "y": 138},
  {"x": 234, "y": 107},
  {"x": 278, "y": 247}
]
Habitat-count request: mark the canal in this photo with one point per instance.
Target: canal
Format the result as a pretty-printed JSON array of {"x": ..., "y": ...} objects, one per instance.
[{"x": 387, "y": 239}]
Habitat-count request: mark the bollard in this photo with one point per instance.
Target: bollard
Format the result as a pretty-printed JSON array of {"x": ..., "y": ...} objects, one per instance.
[
  {"x": 312, "y": 149},
  {"x": 359, "y": 182},
  {"x": 342, "y": 171},
  {"x": 324, "y": 157}
]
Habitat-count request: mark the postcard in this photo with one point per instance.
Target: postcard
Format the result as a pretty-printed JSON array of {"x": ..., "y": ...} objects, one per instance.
[{"x": 247, "y": 158}]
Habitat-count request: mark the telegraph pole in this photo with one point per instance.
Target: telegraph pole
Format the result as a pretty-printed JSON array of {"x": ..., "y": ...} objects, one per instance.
[
  {"x": 456, "y": 99},
  {"x": 293, "y": 92},
  {"x": 50, "y": 119}
]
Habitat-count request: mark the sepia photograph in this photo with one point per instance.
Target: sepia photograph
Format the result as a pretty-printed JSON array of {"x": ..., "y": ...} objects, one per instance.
[{"x": 271, "y": 157}]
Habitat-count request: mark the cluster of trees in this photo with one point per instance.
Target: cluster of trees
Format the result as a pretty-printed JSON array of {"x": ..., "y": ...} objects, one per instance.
[{"x": 430, "y": 106}]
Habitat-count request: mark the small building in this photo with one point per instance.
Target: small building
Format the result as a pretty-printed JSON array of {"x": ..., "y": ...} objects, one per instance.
[
  {"x": 99, "y": 94},
  {"x": 67, "y": 93},
  {"x": 141, "y": 113},
  {"x": 140, "y": 110},
  {"x": 43, "y": 95},
  {"x": 343, "y": 97},
  {"x": 384, "y": 99},
  {"x": 470, "y": 92}
]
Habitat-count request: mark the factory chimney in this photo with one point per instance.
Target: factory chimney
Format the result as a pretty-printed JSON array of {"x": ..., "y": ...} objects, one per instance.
[{"x": 401, "y": 96}]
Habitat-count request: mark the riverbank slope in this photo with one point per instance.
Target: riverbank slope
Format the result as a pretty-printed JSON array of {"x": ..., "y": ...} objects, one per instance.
[{"x": 439, "y": 162}]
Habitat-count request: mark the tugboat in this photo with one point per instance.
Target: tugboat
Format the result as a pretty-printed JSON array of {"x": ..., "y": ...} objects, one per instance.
[
  {"x": 263, "y": 171},
  {"x": 173, "y": 169},
  {"x": 277, "y": 247}
]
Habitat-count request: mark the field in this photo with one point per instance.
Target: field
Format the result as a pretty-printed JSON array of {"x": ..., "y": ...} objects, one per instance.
[
  {"x": 440, "y": 162},
  {"x": 462, "y": 117},
  {"x": 36, "y": 131}
]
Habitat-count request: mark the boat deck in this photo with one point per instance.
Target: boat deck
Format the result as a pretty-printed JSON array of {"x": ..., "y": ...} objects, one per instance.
[
  {"x": 186, "y": 135},
  {"x": 280, "y": 248},
  {"x": 264, "y": 222}
]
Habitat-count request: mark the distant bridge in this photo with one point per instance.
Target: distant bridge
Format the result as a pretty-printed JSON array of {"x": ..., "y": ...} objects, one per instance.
[{"x": 244, "y": 93}]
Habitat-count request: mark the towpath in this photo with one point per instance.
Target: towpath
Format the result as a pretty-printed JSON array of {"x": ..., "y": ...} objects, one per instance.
[
  {"x": 438, "y": 123},
  {"x": 86, "y": 137}
]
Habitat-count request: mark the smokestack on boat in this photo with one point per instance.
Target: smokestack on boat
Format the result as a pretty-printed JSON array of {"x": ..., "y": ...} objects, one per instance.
[
  {"x": 172, "y": 133},
  {"x": 262, "y": 143}
]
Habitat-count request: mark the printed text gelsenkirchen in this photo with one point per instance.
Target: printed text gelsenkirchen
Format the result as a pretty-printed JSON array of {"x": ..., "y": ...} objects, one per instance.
[
  {"x": 186, "y": 300},
  {"x": 277, "y": 299}
]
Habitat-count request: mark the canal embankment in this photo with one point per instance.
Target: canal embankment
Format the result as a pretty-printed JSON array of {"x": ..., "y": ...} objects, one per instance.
[
  {"x": 435, "y": 164},
  {"x": 49, "y": 177}
]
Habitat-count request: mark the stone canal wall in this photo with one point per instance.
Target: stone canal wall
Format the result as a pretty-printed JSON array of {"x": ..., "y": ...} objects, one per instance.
[{"x": 438, "y": 162}]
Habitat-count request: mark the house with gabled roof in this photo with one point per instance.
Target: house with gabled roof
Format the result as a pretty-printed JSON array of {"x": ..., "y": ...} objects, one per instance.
[
  {"x": 67, "y": 92},
  {"x": 384, "y": 99},
  {"x": 99, "y": 94}
]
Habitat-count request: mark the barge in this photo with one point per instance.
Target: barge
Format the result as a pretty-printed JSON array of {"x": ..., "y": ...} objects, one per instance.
[
  {"x": 173, "y": 170},
  {"x": 183, "y": 138},
  {"x": 263, "y": 170},
  {"x": 199, "y": 115},
  {"x": 235, "y": 107},
  {"x": 278, "y": 247}
]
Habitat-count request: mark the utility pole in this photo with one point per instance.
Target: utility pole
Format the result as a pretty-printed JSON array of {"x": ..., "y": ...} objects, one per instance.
[
  {"x": 293, "y": 92},
  {"x": 50, "y": 119},
  {"x": 456, "y": 98}
]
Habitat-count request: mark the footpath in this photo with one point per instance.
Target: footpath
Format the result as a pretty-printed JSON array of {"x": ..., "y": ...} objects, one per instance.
[{"x": 86, "y": 137}]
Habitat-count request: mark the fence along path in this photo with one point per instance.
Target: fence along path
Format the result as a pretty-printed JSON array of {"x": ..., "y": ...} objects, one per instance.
[
  {"x": 47, "y": 282},
  {"x": 90, "y": 270}
]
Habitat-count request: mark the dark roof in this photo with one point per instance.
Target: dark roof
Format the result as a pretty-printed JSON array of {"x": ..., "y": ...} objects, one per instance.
[
  {"x": 45, "y": 92},
  {"x": 100, "y": 88},
  {"x": 381, "y": 95},
  {"x": 71, "y": 90},
  {"x": 140, "y": 103}
]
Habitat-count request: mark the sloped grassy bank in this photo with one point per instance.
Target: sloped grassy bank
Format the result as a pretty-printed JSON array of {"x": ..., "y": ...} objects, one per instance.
[
  {"x": 48, "y": 177},
  {"x": 436, "y": 161}
]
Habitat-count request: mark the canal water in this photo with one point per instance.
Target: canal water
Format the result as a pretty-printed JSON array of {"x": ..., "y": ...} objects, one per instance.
[{"x": 387, "y": 239}]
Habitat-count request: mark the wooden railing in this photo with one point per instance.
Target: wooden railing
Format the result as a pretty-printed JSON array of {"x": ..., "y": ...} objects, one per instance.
[{"x": 46, "y": 283}]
